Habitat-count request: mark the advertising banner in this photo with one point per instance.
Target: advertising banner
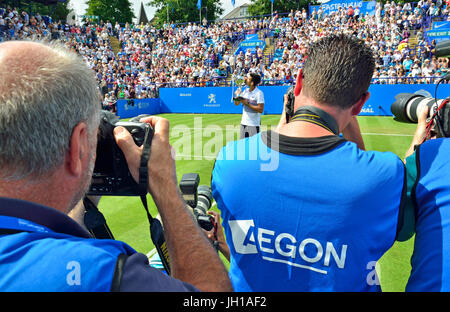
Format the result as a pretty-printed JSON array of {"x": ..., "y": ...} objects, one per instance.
[
  {"x": 334, "y": 5},
  {"x": 217, "y": 100}
]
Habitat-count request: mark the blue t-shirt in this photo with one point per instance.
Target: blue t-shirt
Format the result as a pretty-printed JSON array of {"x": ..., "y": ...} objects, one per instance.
[
  {"x": 430, "y": 194},
  {"x": 42, "y": 249},
  {"x": 306, "y": 214}
]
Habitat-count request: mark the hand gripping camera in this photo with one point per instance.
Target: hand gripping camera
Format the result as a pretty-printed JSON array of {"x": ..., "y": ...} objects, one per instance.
[{"x": 111, "y": 175}]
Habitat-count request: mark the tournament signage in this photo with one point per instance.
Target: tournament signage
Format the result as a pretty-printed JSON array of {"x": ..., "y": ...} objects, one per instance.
[
  {"x": 438, "y": 34},
  {"x": 251, "y": 42},
  {"x": 334, "y": 5},
  {"x": 217, "y": 100},
  {"x": 89, "y": 16},
  {"x": 441, "y": 25}
]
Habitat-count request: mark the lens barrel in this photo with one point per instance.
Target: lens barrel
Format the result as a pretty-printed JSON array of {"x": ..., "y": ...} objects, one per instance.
[
  {"x": 204, "y": 198},
  {"x": 400, "y": 107}
]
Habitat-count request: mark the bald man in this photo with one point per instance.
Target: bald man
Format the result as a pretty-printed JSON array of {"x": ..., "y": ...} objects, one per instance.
[{"x": 49, "y": 115}]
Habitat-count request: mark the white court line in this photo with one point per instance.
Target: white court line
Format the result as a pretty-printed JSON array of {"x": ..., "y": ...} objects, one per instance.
[
  {"x": 389, "y": 134},
  {"x": 363, "y": 133}
]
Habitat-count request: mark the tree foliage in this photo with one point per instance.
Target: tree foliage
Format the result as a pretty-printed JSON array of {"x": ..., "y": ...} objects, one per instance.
[
  {"x": 111, "y": 10},
  {"x": 264, "y": 7},
  {"x": 183, "y": 11},
  {"x": 58, "y": 13}
]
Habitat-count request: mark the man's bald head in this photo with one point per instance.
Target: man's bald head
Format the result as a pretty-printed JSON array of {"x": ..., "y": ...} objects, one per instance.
[{"x": 45, "y": 91}]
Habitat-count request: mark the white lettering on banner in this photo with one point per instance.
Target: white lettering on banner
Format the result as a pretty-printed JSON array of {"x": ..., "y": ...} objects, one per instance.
[
  {"x": 284, "y": 245},
  {"x": 368, "y": 109}
]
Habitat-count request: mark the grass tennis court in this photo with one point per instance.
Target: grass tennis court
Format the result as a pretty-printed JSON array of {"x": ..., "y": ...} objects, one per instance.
[{"x": 197, "y": 138}]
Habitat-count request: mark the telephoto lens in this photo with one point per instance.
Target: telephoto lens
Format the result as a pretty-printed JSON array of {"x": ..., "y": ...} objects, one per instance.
[
  {"x": 203, "y": 205},
  {"x": 408, "y": 106}
]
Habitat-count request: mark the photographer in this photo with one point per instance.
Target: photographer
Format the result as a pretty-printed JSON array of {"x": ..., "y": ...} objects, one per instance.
[
  {"x": 426, "y": 212},
  {"x": 329, "y": 209},
  {"x": 48, "y": 139}
]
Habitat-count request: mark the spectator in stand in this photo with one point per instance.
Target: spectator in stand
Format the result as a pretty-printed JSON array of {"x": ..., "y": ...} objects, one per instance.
[
  {"x": 407, "y": 63},
  {"x": 152, "y": 57}
]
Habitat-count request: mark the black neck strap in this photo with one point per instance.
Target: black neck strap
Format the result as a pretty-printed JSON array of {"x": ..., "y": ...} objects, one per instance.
[
  {"x": 156, "y": 229},
  {"x": 316, "y": 116}
]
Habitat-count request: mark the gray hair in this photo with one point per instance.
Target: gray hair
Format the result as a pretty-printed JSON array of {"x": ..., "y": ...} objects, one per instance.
[
  {"x": 338, "y": 70},
  {"x": 42, "y": 99}
]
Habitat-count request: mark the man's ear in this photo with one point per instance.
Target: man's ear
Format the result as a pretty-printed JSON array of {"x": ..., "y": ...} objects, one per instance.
[
  {"x": 357, "y": 107},
  {"x": 299, "y": 83},
  {"x": 78, "y": 150}
]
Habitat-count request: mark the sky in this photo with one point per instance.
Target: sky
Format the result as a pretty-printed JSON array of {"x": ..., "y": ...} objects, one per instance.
[{"x": 80, "y": 6}]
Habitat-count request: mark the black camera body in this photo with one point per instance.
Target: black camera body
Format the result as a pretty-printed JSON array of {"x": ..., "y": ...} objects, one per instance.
[
  {"x": 198, "y": 198},
  {"x": 111, "y": 175}
]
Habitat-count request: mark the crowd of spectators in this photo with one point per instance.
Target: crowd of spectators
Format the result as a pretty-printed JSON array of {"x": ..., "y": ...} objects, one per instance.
[
  {"x": 387, "y": 33},
  {"x": 195, "y": 55}
]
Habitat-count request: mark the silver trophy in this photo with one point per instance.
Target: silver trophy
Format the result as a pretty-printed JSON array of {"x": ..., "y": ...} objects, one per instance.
[{"x": 239, "y": 81}]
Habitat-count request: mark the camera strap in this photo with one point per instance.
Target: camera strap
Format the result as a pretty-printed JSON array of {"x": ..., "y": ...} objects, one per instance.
[
  {"x": 156, "y": 229},
  {"x": 95, "y": 222},
  {"x": 316, "y": 116}
]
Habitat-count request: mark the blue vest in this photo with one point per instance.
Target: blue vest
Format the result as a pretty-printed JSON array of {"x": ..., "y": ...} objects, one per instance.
[
  {"x": 431, "y": 258},
  {"x": 316, "y": 222},
  {"x": 35, "y": 258}
]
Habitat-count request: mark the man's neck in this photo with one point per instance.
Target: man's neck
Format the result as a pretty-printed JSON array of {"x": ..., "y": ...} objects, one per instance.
[
  {"x": 303, "y": 129},
  {"x": 307, "y": 129},
  {"x": 37, "y": 191}
]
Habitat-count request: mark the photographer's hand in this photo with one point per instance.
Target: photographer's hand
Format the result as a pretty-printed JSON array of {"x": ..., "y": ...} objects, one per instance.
[
  {"x": 283, "y": 121},
  {"x": 218, "y": 235},
  {"x": 421, "y": 131},
  {"x": 192, "y": 258},
  {"x": 352, "y": 133}
]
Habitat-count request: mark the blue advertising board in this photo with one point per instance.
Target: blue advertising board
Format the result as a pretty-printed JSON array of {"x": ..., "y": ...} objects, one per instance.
[
  {"x": 382, "y": 96},
  {"x": 217, "y": 100},
  {"x": 439, "y": 32},
  {"x": 251, "y": 42},
  {"x": 334, "y": 5},
  {"x": 441, "y": 25},
  {"x": 438, "y": 35},
  {"x": 135, "y": 107},
  {"x": 207, "y": 100}
]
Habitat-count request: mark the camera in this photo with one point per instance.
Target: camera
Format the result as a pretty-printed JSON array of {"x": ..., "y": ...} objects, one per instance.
[
  {"x": 289, "y": 108},
  {"x": 111, "y": 175},
  {"x": 198, "y": 198},
  {"x": 407, "y": 107}
]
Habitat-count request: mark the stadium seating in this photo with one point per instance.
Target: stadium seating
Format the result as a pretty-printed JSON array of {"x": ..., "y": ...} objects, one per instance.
[{"x": 192, "y": 55}]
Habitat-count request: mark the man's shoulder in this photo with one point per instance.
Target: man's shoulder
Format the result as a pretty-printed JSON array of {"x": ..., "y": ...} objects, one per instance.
[
  {"x": 233, "y": 148},
  {"x": 386, "y": 164},
  {"x": 138, "y": 275}
]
